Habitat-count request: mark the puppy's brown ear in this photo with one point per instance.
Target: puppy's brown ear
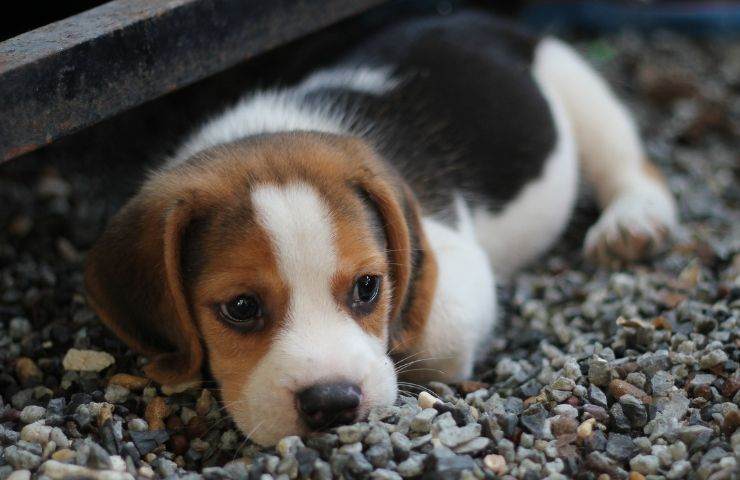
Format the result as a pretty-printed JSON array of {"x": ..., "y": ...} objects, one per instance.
[
  {"x": 134, "y": 283},
  {"x": 412, "y": 264}
]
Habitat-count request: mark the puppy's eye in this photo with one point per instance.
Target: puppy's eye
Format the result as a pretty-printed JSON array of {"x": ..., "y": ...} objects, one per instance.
[
  {"x": 366, "y": 290},
  {"x": 243, "y": 312}
]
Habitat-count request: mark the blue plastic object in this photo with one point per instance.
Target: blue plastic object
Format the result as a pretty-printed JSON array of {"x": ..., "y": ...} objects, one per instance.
[{"x": 694, "y": 18}]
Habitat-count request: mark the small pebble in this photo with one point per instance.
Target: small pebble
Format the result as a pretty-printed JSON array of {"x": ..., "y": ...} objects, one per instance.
[
  {"x": 115, "y": 393},
  {"x": 586, "y": 428},
  {"x": 155, "y": 413},
  {"x": 19, "y": 475},
  {"x": 618, "y": 388},
  {"x": 87, "y": 360},
  {"x": 32, "y": 413},
  {"x": 28, "y": 372},
  {"x": 131, "y": 382},
  {"x": 715, "y": 357},
  {"x": 422, "y": 422},
  {"x": 645, "y": 464},
  {"x": 495, "y": 463}
]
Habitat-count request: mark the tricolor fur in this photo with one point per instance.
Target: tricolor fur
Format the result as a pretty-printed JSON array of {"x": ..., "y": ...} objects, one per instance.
[{"x": 436, "y": 153}]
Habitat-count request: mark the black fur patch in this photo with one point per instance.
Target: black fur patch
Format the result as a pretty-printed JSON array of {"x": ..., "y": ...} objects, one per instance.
[{"x": 467, "y": 116}]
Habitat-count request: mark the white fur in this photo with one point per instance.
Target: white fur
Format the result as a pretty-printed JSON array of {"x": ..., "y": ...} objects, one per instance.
[
  {"x": 375, "y": 81},
  {"x": 285, "y": 110},
  {"x": 463, "y": 310},
  {"x": 529, "y": 224},
  {"x": 609, "y": 145},
  {"x": 319, "y": 342}
]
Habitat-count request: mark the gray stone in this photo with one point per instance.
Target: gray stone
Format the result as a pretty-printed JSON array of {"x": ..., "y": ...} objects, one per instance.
[
  {"x": 352, "y": 433},
  {"x": 597, "y": 396},
  {"x": 237, "y": 470},
  {"x": 379, "y": 455},
  {"x": 59, "y": 438},
  {"x": 566, "y": 410},
  {"x": 165, "y": 467},
  {"x": 645, "y": 464},
  {"x": 661, "y": 383},
  {"x": 702, "y": 379},
  {"x": 619, "y": 446},
  {"x": 452, "y": 437},
  {"x": 652, "y": 362},
  {"x": 598, "y": 371},
  {"x": 98, "y": 458},
  {"x": 383, "y": 474},
  {"x": 138, "y": 425},
  {"x": 473, "y": 446},
  {"x": 679, "y": 470},
  {"x": 559, "y": 396},
  {"x": 22, "y": 459},
  {"x": 451, "y": 465},
  {"x": 619, "y": 419},
  {"x": 678, "y": 450},
  {"x": 401, "y": 445},
  {"x": 422, "y": 422},
  {"x": 412, "y": 466},
  {"x": 695, "y": 436},
  {"x": 376, "y": 435},
  {"x": 634, "y": 410},
  {"x": 676, "y": 406},
  {"x": 358, "y": 464},
  {"x": 563, "y": 383},
  {"x": 21, "y": 398},
  {"x": 637, "y": 379},
  {"x": 533, "y": 419},
  {"x": 417, "y": 442},
  {"x": 19, "y": 327},
  {"x": 715, "y": 357}
]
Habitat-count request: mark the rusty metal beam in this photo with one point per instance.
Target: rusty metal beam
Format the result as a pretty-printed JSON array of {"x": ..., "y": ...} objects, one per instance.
[{"x": 73, "y": 73}]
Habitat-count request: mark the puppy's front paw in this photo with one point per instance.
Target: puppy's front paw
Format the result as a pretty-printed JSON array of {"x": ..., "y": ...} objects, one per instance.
[{"x": 635, "y": 226}]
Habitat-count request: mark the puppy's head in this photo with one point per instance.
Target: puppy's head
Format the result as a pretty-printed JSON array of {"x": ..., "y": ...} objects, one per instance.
[{"x": 283, "y": 261}]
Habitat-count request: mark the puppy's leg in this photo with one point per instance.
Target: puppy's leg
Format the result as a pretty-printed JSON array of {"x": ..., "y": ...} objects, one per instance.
[
  {"x": 639, "y": 211},
  {"x": 463, "y": 309}
]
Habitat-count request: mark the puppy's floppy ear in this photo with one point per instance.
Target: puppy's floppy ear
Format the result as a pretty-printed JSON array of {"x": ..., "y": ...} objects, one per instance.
[
  {"x": 134, "y": 282},
  {"x": 412, "y": 264}
]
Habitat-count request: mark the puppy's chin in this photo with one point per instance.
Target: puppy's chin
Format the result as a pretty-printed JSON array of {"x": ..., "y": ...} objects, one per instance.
[{"x": 266, "y": 410}]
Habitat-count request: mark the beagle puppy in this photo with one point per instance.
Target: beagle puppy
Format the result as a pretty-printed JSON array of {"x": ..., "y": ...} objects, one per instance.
[{"x": 302, "y": 242}]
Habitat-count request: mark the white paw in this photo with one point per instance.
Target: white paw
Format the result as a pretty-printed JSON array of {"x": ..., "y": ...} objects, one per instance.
[{"x": 634, "y": 226}]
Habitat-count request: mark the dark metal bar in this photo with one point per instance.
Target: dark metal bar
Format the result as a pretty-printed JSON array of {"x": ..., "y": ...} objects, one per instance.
[{"x": 70, "y": 74}]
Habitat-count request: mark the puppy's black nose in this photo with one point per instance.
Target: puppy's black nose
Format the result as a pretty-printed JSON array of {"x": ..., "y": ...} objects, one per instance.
[{"x": 329, "y": 405}]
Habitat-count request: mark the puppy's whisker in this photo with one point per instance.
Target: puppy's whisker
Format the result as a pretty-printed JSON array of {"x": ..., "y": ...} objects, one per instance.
[
  {"x": 407, "y": 360},
  {"x": 400, "y": 368},
  {"x": 400, "y": 345},
  {"x": 408, "y": 357},
  {"x": 247, "y": 437},
  {"x": 419, "y": 387},
  {"x": 425, "y": 370}
]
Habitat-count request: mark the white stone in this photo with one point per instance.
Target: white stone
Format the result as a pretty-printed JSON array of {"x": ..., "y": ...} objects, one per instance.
[
  {"x": 426, "y": 400},
  {"x": 87, "y": 360},
  {"x": 32, "y": 413},
  {"x": 36, "y": 432},
  {"x": 59, "y": 471},
  {"x": 19, "y": 475}
]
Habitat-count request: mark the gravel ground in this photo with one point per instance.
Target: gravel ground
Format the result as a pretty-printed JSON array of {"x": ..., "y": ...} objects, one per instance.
[{"x": 593, "y": 374}]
